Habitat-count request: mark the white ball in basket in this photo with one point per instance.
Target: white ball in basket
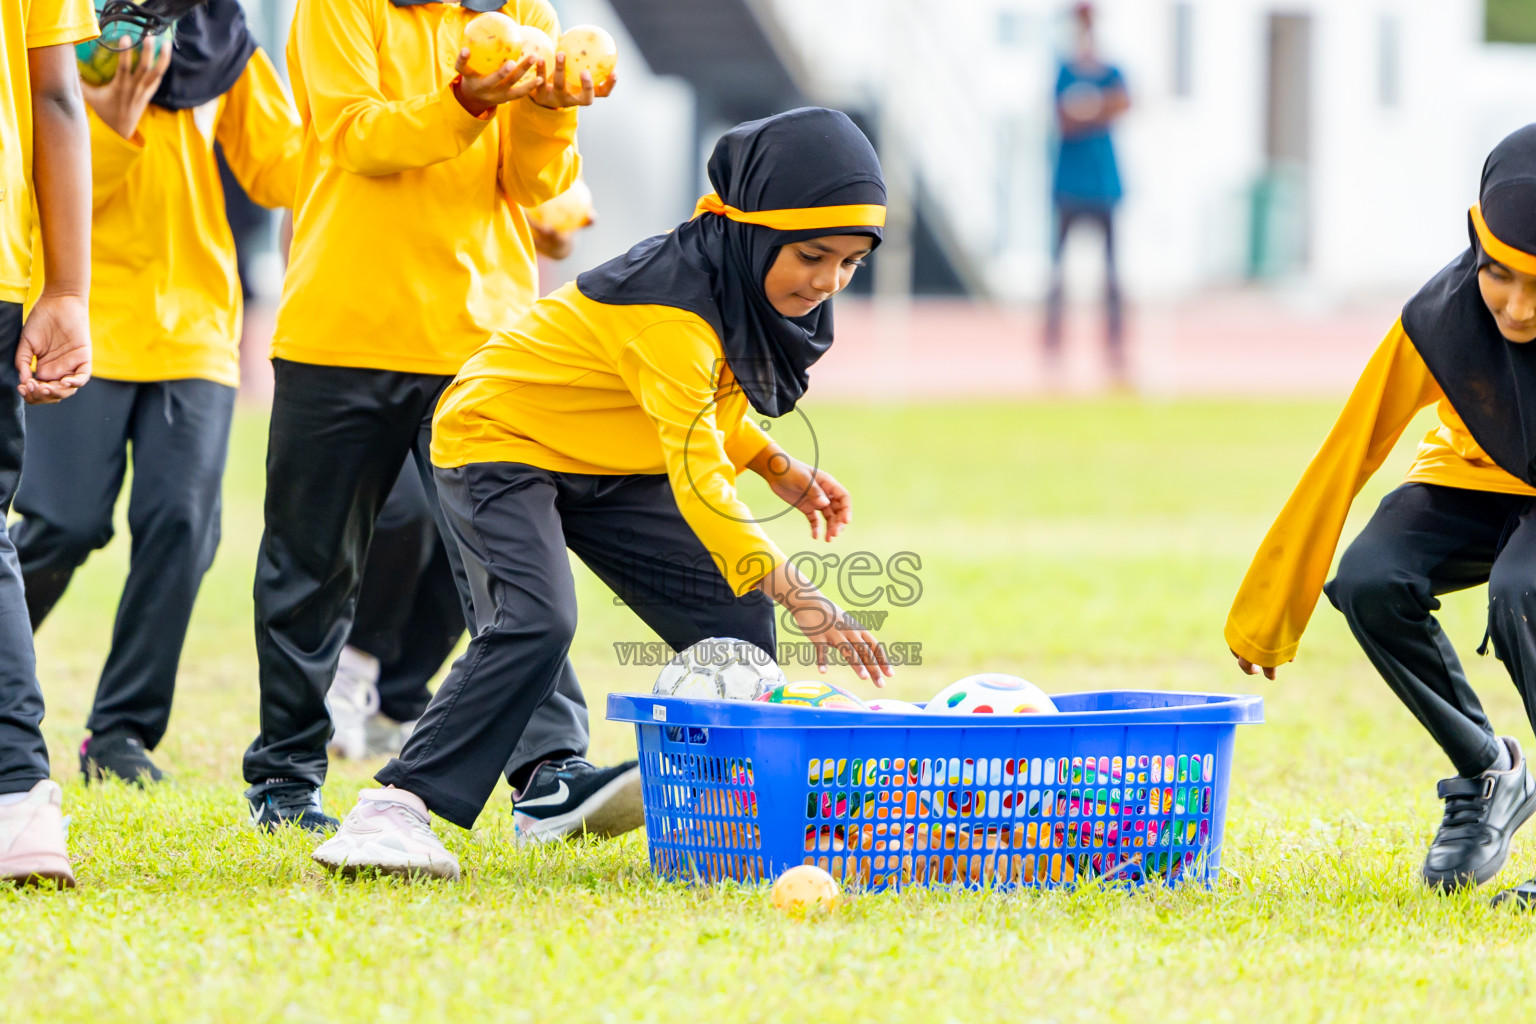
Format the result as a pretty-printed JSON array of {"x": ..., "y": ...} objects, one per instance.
[
  {"x": 991, "y": 693},
  {"x": 891, "y": 705},
  {"x": 720, "y": 668}
]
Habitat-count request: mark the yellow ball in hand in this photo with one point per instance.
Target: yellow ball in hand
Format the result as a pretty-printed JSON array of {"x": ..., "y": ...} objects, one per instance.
[
  {"x": 591, "y": 49},
  {"x": 492, "y": 39}
]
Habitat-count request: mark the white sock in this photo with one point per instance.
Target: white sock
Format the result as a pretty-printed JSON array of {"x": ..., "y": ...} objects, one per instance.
[{"x": 8, "y": 799}]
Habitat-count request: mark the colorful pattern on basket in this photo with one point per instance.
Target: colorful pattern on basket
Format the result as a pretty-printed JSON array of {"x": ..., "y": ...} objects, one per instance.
[
  {"x": 1004, "y": 821},
  {"x": 1125, "y": 786}
]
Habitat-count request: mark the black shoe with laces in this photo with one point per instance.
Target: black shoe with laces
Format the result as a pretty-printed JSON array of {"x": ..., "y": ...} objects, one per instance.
[
  {"x": 572, "y": 795},
  {"x": 1481, "y": 816},
  {"x": 117, "y": 754},
  {"x": 279, "y": 802}
]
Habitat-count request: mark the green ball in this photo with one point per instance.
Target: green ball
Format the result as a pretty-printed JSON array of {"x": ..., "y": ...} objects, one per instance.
[{"x": 98, "y": 63}]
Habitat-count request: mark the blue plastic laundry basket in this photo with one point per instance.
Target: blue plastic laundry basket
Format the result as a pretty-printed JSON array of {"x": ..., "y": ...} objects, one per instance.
[{"x": 1127, "y": 785}]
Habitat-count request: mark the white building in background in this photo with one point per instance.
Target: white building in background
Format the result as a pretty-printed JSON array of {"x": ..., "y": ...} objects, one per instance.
[{"x": 1332, "y": 145}]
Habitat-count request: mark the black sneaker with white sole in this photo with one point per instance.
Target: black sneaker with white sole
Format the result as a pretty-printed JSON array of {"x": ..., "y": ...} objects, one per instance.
[
  {"x": 118, "y": 754},
  {"x": 572, "y": 796},
  {"x": 1482, "y": 815},
  {"x": 279, "y": 802}
]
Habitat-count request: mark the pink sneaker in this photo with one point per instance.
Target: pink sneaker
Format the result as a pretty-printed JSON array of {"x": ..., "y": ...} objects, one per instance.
[
  {"x": 32, "y": 839},
  {"x": 388, "y": 831}
]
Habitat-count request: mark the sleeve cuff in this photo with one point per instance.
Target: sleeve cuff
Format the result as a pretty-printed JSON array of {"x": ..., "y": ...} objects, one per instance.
[
  {"x": 466, "y": 124},
  {"x": 750, "y": 569},
  {"x": 545, "y": 120},
  {"x": 1241, "y": 646},
  {"x": 746, "y": 443},
  {"x": 56, "y": 35}
]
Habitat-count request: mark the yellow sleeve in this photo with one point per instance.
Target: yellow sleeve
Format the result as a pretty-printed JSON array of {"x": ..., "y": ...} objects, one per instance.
[
  {"x": 259, "y": 130},
  {"x": 539, "y": 159},
  {"x": 112, "y": 157},
  {"x": 356, "y": 126},
  {"x": 1280, "y": 591},
  {"x": 54, "y": 22},
  {"x": 669, "y": 369},
  {"x": 744, "y": 441}
]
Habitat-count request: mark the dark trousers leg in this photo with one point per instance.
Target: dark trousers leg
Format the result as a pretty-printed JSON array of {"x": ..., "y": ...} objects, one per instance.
[
  {"x": 512, "y": 524},
  {"x": 1425, "y": 541},
  {"x": 1055, "y": 293},
  {"x": 630, "y": 533},
  {"x": 504, "y": 521},
  {"x": 79, "y": 457},
  {"x": 1512, "y": 607},
  {"x": 337, "y": 440},
  {"x": 410, "y": 615},
  {"x": 404, "y": 539},
  {"x": 180, "y": 433},
  {"x": 1114, "y": 306},
  {"x": 23, "y": 756}
]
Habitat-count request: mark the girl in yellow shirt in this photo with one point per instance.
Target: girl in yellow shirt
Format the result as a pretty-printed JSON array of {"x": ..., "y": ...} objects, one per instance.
[
  {"x": 614, "y": 420},
  {"x": 165, "y": 310},
  {"x": 1465, "y": 516}
]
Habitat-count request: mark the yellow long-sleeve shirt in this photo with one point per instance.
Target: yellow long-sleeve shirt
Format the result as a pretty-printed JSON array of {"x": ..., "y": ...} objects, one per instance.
[
  {"x": 410, "y": 245},
  {"x": 1280, "y": 591},
  {"x": 26, "y": 25},
  {"x": 583, "y": 387},
  {"x": 165, "y": 294}
]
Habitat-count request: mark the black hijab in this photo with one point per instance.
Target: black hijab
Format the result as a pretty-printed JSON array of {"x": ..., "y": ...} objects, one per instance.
[
  {"x": 1490, "y": 382},
  {"x": 790, "y": 168},
  {"x": 210, "y": 50}
]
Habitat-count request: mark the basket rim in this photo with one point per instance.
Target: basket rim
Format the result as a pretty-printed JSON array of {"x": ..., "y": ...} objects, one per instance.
[{"x": 1147, "y": 707}]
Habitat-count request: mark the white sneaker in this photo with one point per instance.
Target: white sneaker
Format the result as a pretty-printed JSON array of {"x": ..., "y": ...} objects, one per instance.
[
  {"x": 353, "y": 697},
  {"x": 32, "y": 838},
  {"x": 388, "y": 831}
]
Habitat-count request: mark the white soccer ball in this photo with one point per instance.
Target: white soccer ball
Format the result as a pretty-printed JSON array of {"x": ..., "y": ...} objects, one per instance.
[
  {"x": 719, "y": 668},
  {"x": 991, "y": 693}
]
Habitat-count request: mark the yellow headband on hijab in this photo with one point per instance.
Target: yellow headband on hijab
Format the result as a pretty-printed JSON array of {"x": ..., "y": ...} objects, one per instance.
[
  {"x": 1514, "y": 259},
  {"x": 811, "y": 218}
]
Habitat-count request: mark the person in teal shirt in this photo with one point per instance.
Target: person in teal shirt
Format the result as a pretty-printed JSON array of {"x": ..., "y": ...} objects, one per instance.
[{"x": 1085, "y": 186}]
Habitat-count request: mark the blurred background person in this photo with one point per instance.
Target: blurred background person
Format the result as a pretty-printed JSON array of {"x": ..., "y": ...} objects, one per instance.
[
  {"x": 165, "y": 312},
  {"x": 1085, "y": 185}
]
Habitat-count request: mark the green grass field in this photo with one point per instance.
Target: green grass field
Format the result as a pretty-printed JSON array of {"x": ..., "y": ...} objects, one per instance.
[{"x": 1083, "y": 545}]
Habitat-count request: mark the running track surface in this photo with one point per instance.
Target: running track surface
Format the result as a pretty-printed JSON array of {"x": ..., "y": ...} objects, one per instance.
[{"x": 1232, "y": 344}]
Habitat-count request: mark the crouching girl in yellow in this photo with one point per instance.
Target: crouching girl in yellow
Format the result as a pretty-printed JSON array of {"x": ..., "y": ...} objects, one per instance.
[
  {"x": 614, "y": 420},
  {"x": 165, "y": 312},
  {"x": 1465, "y": 516}
]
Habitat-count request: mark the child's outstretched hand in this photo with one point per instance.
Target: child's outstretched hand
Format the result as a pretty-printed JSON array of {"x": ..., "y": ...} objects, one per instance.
[
  {"x": 559, "y": 90},
  {"x": 477, "y": 94},
  {"x": 54, "y": 356},
  {"x": 1249, "y": 668},
  {"x": 816, "y": 493},
  {"x": 823, "y": 623}
]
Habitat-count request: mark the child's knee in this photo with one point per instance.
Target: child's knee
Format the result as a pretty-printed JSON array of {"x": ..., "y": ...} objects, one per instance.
[{"x": 1367, "y": 589}]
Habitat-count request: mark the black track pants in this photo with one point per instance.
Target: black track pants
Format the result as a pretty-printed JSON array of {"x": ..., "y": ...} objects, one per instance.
[
  {"x": 1424, "y": 541},
  {"x": 410, "y": 617},
  {"x": 338, "y": 438},
  {"x": 23, "y": 757},
  {"x": 512, "y": 524},
  {"x": 179, "y": 434}
]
